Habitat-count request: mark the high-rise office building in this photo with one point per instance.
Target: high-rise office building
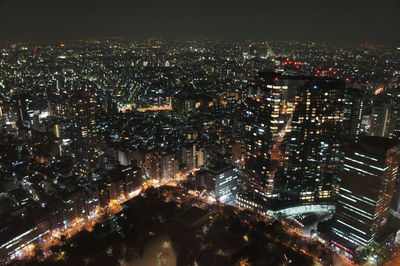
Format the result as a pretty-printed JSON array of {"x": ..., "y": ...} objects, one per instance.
[
  {"x": 268, "y": 114},
  {"x": 311, "y": 146},
  {"x": 222, "y": 179},
  {"x": 353, "y": 112},
  {"x": 226, "y": 182},
  {"x": 21, "y": 107},
  {"x": 109, "y": 105},
  {"x": 367, "y": 175},
  {"x": 81, "y": 112},
  {"x": 280, "y": 112},
  {"x": 257, "y": 140},
  {"x": 383, "y": 116},
  {"x": 294, "y": 81}
]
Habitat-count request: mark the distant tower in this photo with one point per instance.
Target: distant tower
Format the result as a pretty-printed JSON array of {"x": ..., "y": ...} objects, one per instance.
[
  {"x": 109, "y": 105},
  {"x": 368, "y": 175},
  {"x": 253, "y": 49},
  {"x": 21, "y": 106},
  {"x": 270, "y": 52}
]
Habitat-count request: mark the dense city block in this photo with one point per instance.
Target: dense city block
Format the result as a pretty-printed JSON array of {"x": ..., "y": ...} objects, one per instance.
[{"x": 199, "y": 152}]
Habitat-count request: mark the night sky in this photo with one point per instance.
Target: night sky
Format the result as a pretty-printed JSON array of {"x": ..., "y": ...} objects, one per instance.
[{"x": 330, "y": 20}]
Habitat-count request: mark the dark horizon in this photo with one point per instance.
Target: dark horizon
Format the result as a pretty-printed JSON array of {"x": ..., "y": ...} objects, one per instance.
[{"x": 338, "y": 21}]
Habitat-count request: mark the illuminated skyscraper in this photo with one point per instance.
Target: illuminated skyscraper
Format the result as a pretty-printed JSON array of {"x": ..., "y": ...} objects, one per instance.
[
  {"x": 311, "y": 146},
  {"x": 277, "y": 102},
  {"x": 382, "y": 117},
  {"x": 267, "y": 115},
  {"x": 21, "y": 107},
  {"x": 367, "y": 181},
  {"x": 109, "y": 104},
  {"x": 353, "y": 111},
  {"x": 81, "y": 110},
  {"x": 257, "y": 137}
]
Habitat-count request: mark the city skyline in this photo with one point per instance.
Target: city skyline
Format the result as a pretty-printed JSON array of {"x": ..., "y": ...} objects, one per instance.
[
  {"x": 209, "y": 133},
  {"x": 337, "y": 21}
]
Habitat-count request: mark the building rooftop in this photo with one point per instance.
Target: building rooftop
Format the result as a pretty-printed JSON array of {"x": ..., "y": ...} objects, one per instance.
[{"x": 378, "y": 145}]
